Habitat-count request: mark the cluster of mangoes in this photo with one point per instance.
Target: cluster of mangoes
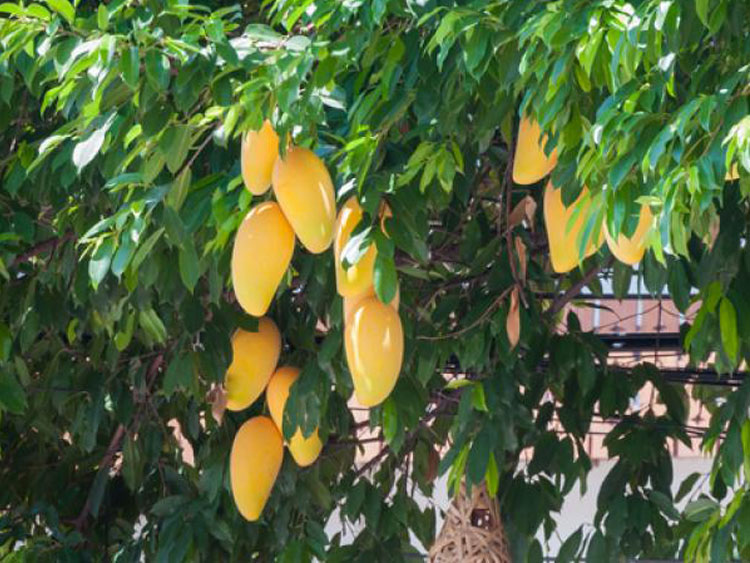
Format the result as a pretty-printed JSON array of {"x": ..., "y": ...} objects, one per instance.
[
  {"x": 531, "y": 164},
  {"x": 305, "y": 209}
]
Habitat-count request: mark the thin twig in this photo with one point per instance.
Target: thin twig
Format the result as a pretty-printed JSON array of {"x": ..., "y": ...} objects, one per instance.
[
  {"x": 476, "y": 323},
  {"x": 115, "y": 445},
  {"x": 45, "y": 246},
  {"x": 559, "y": 303},
  {"x": 508, "y": 184},
  {"x": 197, "y": 152}
]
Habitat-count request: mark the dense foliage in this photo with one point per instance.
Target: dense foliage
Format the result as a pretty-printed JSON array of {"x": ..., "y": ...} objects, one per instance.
[{"x": 121, "y": 192}]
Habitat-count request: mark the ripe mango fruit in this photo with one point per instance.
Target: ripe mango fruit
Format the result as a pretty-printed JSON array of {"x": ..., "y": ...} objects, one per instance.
[
  {"x": 304, "y": 450},
  {"x": 374, "y": 343},
  {"x": 631, "y": 250},
  {"x": 254, "y": 358},
  {"x": 254, "y": 464},
  {"x": 357, "y": 278},
  {"x": 258, "y": 153},
  {"x": 263, "y": 248},
  {"x": 733, "y": 174},
  {"x": 530, "y": 163},
  {"x": 304, "y": 191},
  {"x": 350, "y": 303},
  {"x": 563, "y": 243}
]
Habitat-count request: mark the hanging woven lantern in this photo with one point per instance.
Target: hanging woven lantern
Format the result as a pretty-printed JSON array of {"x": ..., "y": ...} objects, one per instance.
[{"x": 472, "y": 531}]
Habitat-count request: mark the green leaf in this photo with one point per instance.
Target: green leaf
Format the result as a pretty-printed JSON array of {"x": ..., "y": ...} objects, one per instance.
[
  {"x": 176, "y": 233},
  {"x": 478, "y": 400},
  {"x": 479, "y": 456},
  {"x": 179, "y": 190},
  {"x": 189, "y": 265},
  {"x": 124, "y": 180},
  {"x": 357, "y": 246},
  {"x": 86, "y": 150},
  {"x": 145, "y": 249},
  {"x": 11, "y": 8},
  {"x": 123, "y": 338},
  {"x": 746, "y": 449},
  {"x": 728, "y": 325},
  {"x": 701, "y": 509},
  {"x": 622, "y": 274},
  {"x": 169, "y": 505},
  {"x": 157, "y": 70},
  {"x": 100, "y": 261},
  {"x": 597, "y": 550},
  {"x": 132, "y": 466},
  {"x": 175, "y": 144},
  {"x": 12, "y": 395},
  {"x": 130, "y": 66},
  {"x": 535, "y": 555},
  {"x": 679, "y": 286},
  {"x": 64, "y": 8},
  {"x": 123, "y": 255},
  {"x": 102, "y": 17},
  {"x": 687, "y": 485},
  {"x": 385, "y": 278},
  {"x": 569, "y": 548},
  {"x": 6, "y": 342},
  {"x": 664, "y": 503},
  {"x": 492, "y": 477},
  {"x": 179, "y": 374},
  {"x": 390, "y": 419},
  {"x": 97, "y": 490},
  {"x": 153, "y": 325}
]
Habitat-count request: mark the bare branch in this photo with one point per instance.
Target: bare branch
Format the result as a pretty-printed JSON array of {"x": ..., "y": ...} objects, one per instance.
[
  {"x": 115, "y": 444},
  {"x": 559, "y": 303},
  {"x": 49, "y": 245}
]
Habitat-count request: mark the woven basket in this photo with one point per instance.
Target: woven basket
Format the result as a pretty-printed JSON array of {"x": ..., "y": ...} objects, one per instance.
[{"x": 472, "y": 531}]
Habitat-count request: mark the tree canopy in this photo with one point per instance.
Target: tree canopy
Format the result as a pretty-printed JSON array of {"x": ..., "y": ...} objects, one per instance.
[{"x": 121, "y": 193}]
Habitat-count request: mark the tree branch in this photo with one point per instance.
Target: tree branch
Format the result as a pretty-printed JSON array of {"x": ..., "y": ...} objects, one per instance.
[
  {"x": 42, "y": 247},
  {"x": 559, "y": 303},
  {"x": 115, "y": 445},
  {"x": 487, "y": 312},
  {"x": 441, "y": 406}
]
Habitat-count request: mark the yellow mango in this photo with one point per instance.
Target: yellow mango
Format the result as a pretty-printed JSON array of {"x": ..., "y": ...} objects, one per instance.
[
  {"x": 304, "y": 191},
  {"x": 374, "y": 343},
  {"x": 563, "y": 245},
  {"x": 263, "y": 248},
  {"x": 733, "y": 174},
  {"x": 258, "y": 153},
  {"x": 358, "y": 277},
  {"x": 254, "y": 464},
  {"x": 304, "y": 450},
  {"x": 530, "y": 163},
  {"x": 254, "y": 358},
  {"x": 350, "y": 303},
  {"x": 631, "y": 250}
]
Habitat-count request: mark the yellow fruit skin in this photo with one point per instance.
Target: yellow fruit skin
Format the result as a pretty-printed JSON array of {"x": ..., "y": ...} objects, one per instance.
[
  {"x": 304, "y": 191},
  {"x": 358, "y": 277},
  {"x": 350, "y": 303},
  {"x": 259, "y": 152},
  {"x": 563, "y": 245},
  {"x": 374, "y": 342},
  {"x": 304, "y": 450},
  {"x": 254, "y": 464},
  {"x": 631, "y": 250},
  {"x": 254, "y": 357},
  {"x": 530, "y": 164},
  {"x": 733, "y": 174},
  {"x": 263, "y": 248}
]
